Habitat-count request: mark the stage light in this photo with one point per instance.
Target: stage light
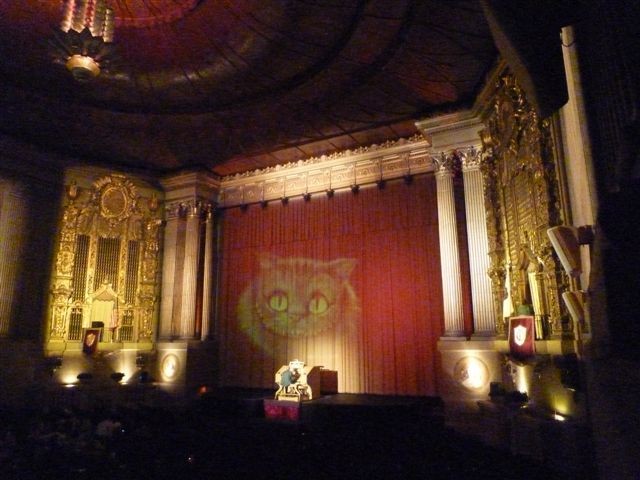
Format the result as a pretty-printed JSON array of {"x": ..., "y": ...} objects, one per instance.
[
  {"x": 522, "y": 379},
  {"x": 558, "y": 417},
  {"x": 84, "y": 377}
]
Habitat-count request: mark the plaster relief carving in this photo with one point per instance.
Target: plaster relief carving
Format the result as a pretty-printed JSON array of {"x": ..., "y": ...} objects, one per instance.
[
  {"x": 521, "y": 200},
  {"x": 109, "y": 233}
]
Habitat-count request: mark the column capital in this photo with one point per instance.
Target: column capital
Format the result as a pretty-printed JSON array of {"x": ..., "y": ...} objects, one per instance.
[
  {"x": 471, "y": 159},
  {"x": 174, "y": 210},
  {"x": 445, "y": 164}
]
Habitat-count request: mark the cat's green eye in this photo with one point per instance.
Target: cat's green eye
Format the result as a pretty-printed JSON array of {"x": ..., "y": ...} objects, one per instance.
[
  {"x": 318, "y": 304},
  {"x": 278, "y": 301}
]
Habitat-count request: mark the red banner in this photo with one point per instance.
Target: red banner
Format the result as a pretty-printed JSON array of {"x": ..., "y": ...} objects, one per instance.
[
  {"x": 90, "y": 340},
  {"x": 522, "y": 343}
]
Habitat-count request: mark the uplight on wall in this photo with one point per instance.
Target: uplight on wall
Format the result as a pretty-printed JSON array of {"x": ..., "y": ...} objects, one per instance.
[{"x": 471, "y": 373}]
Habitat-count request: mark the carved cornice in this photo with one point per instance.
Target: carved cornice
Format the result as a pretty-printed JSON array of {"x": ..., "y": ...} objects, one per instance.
[
  {"x": 365, "y": 165},
  {"x": 195, "y": 207}
]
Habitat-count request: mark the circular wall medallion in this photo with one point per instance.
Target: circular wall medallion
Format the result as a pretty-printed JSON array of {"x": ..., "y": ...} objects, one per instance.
[
  {"x": 170, "y": 367},
  {"x": 114, "y": 203},
  {"x": 471, "y": 373}
]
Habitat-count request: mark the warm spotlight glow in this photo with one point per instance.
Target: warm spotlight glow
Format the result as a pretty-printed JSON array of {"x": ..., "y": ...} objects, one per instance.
[
  {"x": 522, "y": 381},
  {"x": 69, "y": 378},
  {"x": 472, "y": 373},
  {"x": 170, "y": 367}
]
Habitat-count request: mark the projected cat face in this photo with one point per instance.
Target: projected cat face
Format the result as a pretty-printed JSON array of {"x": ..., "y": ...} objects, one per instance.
[{"x": 299, "y": 296}]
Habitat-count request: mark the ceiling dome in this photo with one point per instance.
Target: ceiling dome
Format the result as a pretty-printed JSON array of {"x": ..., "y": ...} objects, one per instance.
[
  {"x": 148, "y": 13},
  {"x": 235, "y": 85}
]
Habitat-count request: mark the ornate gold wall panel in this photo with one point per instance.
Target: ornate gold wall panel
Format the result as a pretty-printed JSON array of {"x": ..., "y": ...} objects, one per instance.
[
  {"x": 109, "y": 235},
  {"x": 522, "y": 202}
]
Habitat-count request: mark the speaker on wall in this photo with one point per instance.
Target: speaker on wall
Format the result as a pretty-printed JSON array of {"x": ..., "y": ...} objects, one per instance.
[
  {"x": 564, "y": 240},
  {"x": 574, "y": 300}
]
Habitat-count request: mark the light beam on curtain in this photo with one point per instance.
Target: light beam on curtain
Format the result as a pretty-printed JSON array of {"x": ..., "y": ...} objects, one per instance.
[{"x": 351, "y": 283}]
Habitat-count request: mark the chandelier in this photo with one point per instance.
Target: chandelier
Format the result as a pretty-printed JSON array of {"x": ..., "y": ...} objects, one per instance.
[{"x": 84, "y": 41}]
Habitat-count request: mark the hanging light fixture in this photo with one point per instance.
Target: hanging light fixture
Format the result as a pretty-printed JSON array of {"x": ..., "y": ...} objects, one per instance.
[{"x": 84, "y": 42}]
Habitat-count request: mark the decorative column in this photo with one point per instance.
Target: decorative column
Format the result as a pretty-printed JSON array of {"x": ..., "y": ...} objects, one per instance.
[
  {"x": 449, "y": 253},
  {"x": 168, "y": 272},
  {"x": 12, "y": 216},
  {"x": 190, "y": 272},
  {"x": 208, "y": 272},
  {"x": 483, "y": 315},
  {"x": 187, "y": 278}
]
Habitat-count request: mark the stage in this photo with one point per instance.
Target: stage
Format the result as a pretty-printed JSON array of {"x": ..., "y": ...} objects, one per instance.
[{"x": 335, "y": 408}]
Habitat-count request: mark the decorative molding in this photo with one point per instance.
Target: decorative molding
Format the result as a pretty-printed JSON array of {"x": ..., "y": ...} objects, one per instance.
[
  {"x": 365, "y": 165},
  {"x": 112, "y": 210},
  {"x": 522, "y": 201}
]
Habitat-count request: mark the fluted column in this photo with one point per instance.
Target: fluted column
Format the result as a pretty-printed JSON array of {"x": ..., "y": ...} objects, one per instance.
[
  {"x": 449, "y": 253},
  {"x": 167, "y": 328},
  {"x": 12, "y": 215},
  {"x": 483, "y": 315},
  {"x": 209, "y": 242},
  {"x": 190, "y": 272}
]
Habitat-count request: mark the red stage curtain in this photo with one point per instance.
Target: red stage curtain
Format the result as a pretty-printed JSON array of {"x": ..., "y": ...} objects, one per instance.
[{"x": 351, "y": 283}]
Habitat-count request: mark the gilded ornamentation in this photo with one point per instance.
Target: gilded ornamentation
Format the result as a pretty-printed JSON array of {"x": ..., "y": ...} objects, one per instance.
[
  {"x": 470, "y": 158},
  {"x": 61, "y": 300},
  {"x": 65, "y": 259},
  {"x": 333, "y": 156},
  {"x": 121, "y": 232},
  {"x": 365, "y": 165},
  {"x": 521, "y": 199}
]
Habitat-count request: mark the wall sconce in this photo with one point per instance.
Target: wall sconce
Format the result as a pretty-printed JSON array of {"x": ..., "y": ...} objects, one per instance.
[
  {"x": 330, "y": 192},
  {"x": 306, "y": 196},
  {"x": 284, "y": 200},
  {"x": 381, "y": 184},
  {"x": 355, "y": 188},
  {"x": 263, "y": 203}
]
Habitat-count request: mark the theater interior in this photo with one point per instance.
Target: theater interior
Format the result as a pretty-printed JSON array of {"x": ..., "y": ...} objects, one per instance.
[{"x": 319, "y": 238}]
